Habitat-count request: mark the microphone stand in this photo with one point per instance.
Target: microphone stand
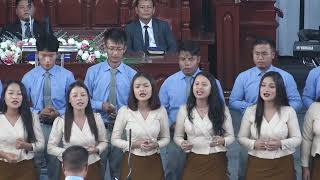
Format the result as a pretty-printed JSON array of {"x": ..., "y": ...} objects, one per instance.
[
  {"x": 30, "y": 18},
  {"x": 129, "y": 157}
]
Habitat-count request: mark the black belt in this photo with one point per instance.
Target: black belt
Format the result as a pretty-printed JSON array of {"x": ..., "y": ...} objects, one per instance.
[{"x": 108, "y": 125}]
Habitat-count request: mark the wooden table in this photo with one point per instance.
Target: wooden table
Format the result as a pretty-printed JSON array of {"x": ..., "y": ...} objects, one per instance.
[{"x": 159, "y": 67}]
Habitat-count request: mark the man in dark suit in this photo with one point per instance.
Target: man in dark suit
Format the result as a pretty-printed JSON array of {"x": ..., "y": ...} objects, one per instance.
[
  {"x": 21, "y": 29},
  {"x": 147, "y": 31}
]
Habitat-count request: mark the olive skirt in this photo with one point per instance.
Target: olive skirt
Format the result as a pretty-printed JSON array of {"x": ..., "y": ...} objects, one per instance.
[
  {"x": 24, "y": 170},
  {"x": 266, "y": 169},
  {"x": 142, "y": 167},
  {"x": 315, "y": 170},
  {"x": 206, "y": 167}
]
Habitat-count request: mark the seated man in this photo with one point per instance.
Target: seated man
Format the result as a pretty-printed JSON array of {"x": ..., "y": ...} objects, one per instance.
[
  {"x": 75, "y": 163},
  {"x": 245, "y": 88},
  {"x": 148, "y": 31},
  {"x": 21, "y": 29},
  {"x": 311, "y": 90}
]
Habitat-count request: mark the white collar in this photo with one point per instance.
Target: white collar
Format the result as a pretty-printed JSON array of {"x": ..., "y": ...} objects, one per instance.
[{"x": 149, "y": 24}]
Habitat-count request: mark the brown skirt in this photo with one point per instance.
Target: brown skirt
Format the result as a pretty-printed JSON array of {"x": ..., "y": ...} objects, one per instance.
[
  {"x": 206, "y": 167},
  {"x": 142, "y": 167},
  {"x": 265, "y": 169},
  {"x": 315, "y": 171},
  {"x": 94, "y": 172},
  {"x": 24, "y": 170}
]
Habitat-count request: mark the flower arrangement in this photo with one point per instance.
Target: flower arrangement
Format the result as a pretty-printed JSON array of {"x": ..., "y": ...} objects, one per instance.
[{"x": 89, "y": 50}]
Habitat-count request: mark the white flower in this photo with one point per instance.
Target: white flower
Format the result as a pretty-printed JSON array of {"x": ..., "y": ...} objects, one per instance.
[
  {"x": 62, "y": 41},
  {"x": 71, "y": 41},
  {"x": 85, "y": 42},
  {"x": 97, "y": 54},
  {"x": 15, "y": 58},
  {"x": 8, "y": 42},
  {"x": 80, "y": 52},
  {"x": 13, "y": 47},
  {"x": 32, "y": 41},
  {"x": 18, "y": 50},
  {"x": 8, "y": 53},
  {"x": 2, "y": 55},
  {"x": 78, "y": 45},
  {"x": 91, "y": 49},
  {"x": 3, "y": 45},
  {"x": 85, "y": 55}
]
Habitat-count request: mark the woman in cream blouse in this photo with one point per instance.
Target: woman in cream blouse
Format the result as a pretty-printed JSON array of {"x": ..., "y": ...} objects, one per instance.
[
  {"x": 20, "y": 134},
  {"x": 270, "y": 131},
  {"x": 208, "y": 125},
  {"x": 311, "y": 143},
  {"x": 148, "y": 122},
  {"x": 80, "y": 126}
]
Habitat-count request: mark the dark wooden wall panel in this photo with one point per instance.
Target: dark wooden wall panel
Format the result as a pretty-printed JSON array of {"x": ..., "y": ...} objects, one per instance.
[
  {"x": 69, "y": 13},
  {"x": 3, "y": 12},
  {"x": 105, "y": 12},
  {"x": 227, "y": 42},
  {"x": 41, "y": 9}
]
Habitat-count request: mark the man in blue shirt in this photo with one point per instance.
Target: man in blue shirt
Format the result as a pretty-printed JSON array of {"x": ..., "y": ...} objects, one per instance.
[
  {"x": 311, "y": 90},
  {"x": 46, "y": 86},
  {"x": 109, "y": 85},
  {"x": 75, "y": 163},
  {"x": 174, "y": 93},
  {"x": 246, "y": 87}
]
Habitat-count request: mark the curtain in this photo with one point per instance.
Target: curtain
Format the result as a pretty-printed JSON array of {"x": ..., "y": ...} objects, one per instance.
[{"x": 288, "y": 25}]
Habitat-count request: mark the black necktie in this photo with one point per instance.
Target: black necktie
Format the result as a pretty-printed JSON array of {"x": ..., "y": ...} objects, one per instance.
[
  {"x": 146, "y": 37},
  {"x": 27, "y": 32}
]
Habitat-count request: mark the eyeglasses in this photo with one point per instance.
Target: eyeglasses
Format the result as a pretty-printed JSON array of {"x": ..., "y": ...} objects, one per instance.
[
  {"x": 263, "y": 54},
  {"x": 113, "y": 49}
]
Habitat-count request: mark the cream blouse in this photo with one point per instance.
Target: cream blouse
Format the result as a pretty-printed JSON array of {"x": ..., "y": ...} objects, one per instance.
[
  {"x": 154, "y": 127},
  {"x": 283, "y": 126},
  {"x": 82, "y": 137},
  {"x": 311, "y": 134},
  {"x": 9, "y": 134},
  {"x": 200, "y": 133}
]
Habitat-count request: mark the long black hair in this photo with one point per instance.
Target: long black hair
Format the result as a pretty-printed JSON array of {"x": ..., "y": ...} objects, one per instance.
[
  {"x": 24, "y": 109},
  {"x": 69, "y": 116},
  {"x": 281, "y": 98},
  {"x": 216, "y": 104}
]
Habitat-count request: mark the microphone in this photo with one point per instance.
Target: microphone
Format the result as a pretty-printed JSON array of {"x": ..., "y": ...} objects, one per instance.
[
  {"x": 129, "y": 157},
  {"x": 30, "y": 17},
  {"x": 29, "y": 3}
]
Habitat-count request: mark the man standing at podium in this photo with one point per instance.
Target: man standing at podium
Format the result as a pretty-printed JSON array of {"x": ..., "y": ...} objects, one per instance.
[
  {"x": 46, "y": 86},
  {"x": 148, "y": 31},
  {"x": 23, "y": 28}
]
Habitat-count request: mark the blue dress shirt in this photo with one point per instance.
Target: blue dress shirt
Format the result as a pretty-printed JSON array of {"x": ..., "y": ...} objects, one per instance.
[
  {"x": 98, "y": 80},
  {"x": 60, "y": 77},
  {"x": 311, "y": 90},
  {"x": 0, "y": 87},
  {"x": 246, "y": 89},
  {"x": 74, "y": 178},
  {"x": 172, "y": 93}
]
